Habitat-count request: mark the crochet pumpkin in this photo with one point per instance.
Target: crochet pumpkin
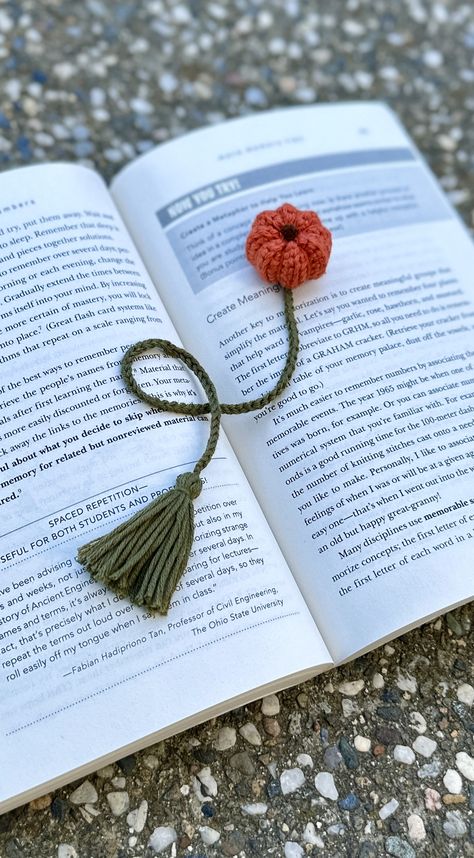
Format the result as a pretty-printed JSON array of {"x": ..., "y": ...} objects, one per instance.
[{"x": 288, "y": 246}]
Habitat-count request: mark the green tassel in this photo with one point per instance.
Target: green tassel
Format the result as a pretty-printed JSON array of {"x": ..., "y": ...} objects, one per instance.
[{"x": 144, "y": 557}]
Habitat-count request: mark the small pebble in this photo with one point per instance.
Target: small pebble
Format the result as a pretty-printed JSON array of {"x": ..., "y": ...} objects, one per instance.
[
  {"x": 294, "y": 724},
  {"x": 209, "y": 835},
  {"x": 226, "y": 738},
  {"x": 454, "y": 826},
  {"x": 324, "y": 783},
  {"x": 387, "y": 735},
  {"x": 207, "y": 810},
  {"x": 242, "y": 763},
  {"x": 404, "y": 754},
  {"x": 453, "y": 781},
  {"x": 208, "y": 782},
  {"x": 367, "y": 850},
  {"x": 293, "y": 850},
  {"x": 88, "y": 812},
  {"x": 64, "y": 71},
  {"x": 449, "y": 799},
  {"x": 433, "y": 59},
  {"x": 277, "y": 46},
  {"x": 418, "y": 722},
  {"x": 332, "y": 758},
  {"x": 465, "y": 694},
  {"x": 391, "y": 712},
  {"x": 250, "y": 733},
  {"x": 430, "y": 770},
  {"x": 291, "y": 780},
  {"x": 271, "y": 727},
  {"x": 353, "y": 28},
  {"x": 273, "y": 789},
  {"x": 168, "y": 82},
  {"x": 86, "y": 793},
  {"x": 465, "y": 764},
  {"x": 6, "y": 23},
  {"x": 270, "y": 705},
  {"x": 399, "y": 848},
  {"x": 41, "y": 803},
  {"x": 65, "y": 850},
  {"x": 407, "y": 683},
  {"x": 272, "y": 767},
  {"x": 454, "y": 624},
  {"x": 310, "y": 836},
  {"x": 304, "y": 760},
  {"x": 424, "y": 746},
  {"x": 127, "y": 764},
  {"x": 350, "y": 708},
  {"x": 337, "y": 829},
  {"x": 349, "y": 754},
  {"x": 255, "y": 97},
  {"x": 416, "y": 828},
  {"x": 362, "y": 744},
  {"x": 432, "y": 799},
  {"x": 387, "y": 809},
  {"x": 350, "y": 802},
  {"x": 136, "y": 819},
  {"x": 59, "y": 809},
  {"x": 119, "y": 802},
  {"x": 259, "y": 808},
  {"x": 106, "y": 773},
  {"x": 351, "y": 688},
  {"x": 162, "y": 837},
  {"x": 97, "y": 96}
]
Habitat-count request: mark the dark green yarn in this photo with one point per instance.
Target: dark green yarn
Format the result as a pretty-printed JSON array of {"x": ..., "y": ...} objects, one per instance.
[
  {"x": 194, "y": 408},
  {"x": 145, "y": 557},
  {"x": 212, "y": 405}
]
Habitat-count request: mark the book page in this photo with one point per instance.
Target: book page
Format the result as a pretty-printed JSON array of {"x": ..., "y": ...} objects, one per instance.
[
  {"x": 364, "y": 467},
  {"x": 80, "y": 455}
]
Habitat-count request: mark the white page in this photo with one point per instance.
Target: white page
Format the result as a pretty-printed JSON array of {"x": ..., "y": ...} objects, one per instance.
[
  {"x": 79, "y": 455},
  {"x": 370, "y": 502}
]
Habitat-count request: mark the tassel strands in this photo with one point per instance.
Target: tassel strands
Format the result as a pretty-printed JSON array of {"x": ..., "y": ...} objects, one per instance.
[{"x": 145, "y": 557}]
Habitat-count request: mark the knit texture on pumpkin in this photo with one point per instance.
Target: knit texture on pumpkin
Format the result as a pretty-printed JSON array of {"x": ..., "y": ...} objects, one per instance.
[{"x": 288, "y": 246}]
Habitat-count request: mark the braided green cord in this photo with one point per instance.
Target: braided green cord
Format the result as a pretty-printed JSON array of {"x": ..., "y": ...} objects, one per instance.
[
  {"x": 195, "y": 409},
  {"x": 213, "y": 406},
  {"x": 287, "y": 371}
]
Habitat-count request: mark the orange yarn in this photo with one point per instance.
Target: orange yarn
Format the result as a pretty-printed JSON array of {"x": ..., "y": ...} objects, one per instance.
[{"x": 288, "y": 246}]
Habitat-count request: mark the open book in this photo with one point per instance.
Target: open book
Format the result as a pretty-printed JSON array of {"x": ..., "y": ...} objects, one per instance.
[{"x": 337, "y": 518}]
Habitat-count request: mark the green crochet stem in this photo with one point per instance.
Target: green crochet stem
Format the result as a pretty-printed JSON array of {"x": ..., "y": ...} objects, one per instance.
[
  {"x": 195, "y": 409},
  {"x": 145, "y": 557}
]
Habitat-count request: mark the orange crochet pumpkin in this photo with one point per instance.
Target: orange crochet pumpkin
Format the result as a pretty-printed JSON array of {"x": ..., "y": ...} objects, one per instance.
[{"x": 288, "y": 246}]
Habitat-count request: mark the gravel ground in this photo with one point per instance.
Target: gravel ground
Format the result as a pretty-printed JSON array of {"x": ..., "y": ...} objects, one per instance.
[{"x": 377, "y": 757}]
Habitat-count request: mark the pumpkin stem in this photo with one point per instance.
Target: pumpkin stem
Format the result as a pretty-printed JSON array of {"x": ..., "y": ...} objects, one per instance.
[{"x": 289, "y": 232}]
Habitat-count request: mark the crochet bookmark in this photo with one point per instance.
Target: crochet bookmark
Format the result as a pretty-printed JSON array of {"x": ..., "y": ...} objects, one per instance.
[{"x": 145, "y": 557}]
